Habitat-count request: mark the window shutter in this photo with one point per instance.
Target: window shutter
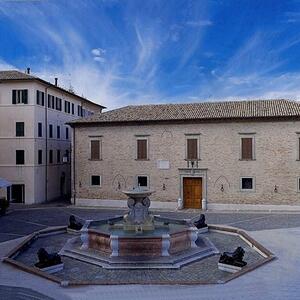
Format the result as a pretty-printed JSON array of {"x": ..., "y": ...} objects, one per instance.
[
  {"x": 141, "y": 149},
  {"x": 192, "y": 149},
  {"x": 25, "y": 96},
  {"x": 95, "y": 149},
  {"x": 14, "y": 97},
  {"x": 247, "y": 148}
]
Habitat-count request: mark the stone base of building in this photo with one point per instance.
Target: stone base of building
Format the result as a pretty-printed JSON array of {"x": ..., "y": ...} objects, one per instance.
[{"x": 174, "y": 205}]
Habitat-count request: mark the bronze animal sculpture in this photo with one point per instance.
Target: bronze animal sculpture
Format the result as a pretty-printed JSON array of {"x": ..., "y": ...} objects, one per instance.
[
  {"x": 233, "y": 258},
  {"x": 73, "y": 224},
  {"x": 47, "y": 259}
]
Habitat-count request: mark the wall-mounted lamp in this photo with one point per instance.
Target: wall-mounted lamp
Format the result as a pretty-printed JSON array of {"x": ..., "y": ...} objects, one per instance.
[
  {"x": 164, "y": 187},
  {"x": 119, "y": 185},
  {"x": 276, "y": 188},
  {"x": 222, "y": 188}
]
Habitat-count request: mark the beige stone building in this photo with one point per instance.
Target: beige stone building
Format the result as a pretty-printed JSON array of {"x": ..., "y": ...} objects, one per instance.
[
  {"x": 235, "y": 155},
  {"x": 35, "y": 141}
]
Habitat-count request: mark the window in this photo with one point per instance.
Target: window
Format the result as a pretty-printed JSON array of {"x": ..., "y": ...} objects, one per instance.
[
  {"x": 40, "y": 157},
  {"x": 20, "y": 157},
  {"x": 51, "y": 102},
  {"x": 66, "y": 157},
  {"x": 58, "y": 156},
  {"x": 95, "y": 150},
  {"x": 298, "y": 154},
  {"x": 40, "y": 96},
  {"x": 67, "y": 133},
  {"x": 192, "y": 148},
  {"x": 19, "y": 128},
  {"x": 19, "y": 96},
  {"x": 298, "y": 184},
  {"x": 247, "y": 148},
  {"x": 142, "y": 181},
  {"x": 247, "y": 184},
  {"x": 50, "y": 131},
  {"x": 58, "y": 132},
  {"x": 50, "y": 156},
  {"x": 142, "y": 145},
  {"x": 58, "y": 103},
  {"x": 79, "y": 111},
  {"x": 40, "y": 129},
  {"x": 96, "y": 180},
  {"x": 67, "y": 107},
  {"x": 73, "y": 109}
]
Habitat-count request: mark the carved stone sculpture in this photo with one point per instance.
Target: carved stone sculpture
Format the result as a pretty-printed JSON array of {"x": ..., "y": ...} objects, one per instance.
[
  {"x": 233, "y": 258},
  {"x": 47, "y": 259},
  {"x": 73, "y": 224},
  {"x": 200, "y": 222}
]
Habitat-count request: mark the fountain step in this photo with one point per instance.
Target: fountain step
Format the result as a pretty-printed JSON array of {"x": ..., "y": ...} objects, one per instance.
[{"x": 72, "y": 249}]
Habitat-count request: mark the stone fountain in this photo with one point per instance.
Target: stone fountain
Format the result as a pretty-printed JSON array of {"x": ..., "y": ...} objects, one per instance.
[{"x": 139, "y": 239}]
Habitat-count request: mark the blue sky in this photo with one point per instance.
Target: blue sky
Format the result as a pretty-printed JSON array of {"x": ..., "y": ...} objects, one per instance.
[{"x": 135, "y": 52}]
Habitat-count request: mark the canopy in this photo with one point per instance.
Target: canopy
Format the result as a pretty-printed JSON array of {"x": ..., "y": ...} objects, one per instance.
[{"x": 4, "y": 183}]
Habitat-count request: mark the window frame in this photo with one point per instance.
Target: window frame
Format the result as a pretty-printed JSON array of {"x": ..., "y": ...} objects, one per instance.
[
  {"x": 247, "y": 136},
  {"x": 137, "y": 181},
  {"x": 51, "y": 156},
  {"x": 23, "y": 161},
  {"x": 19, "y": 94},
  {"x": 100, "y": 149},
  {"x": 50, "y": 131},
  {"x": 40, "y": 156},
  {"x": 253, "y": 184},
  {"x": 96, "y": 185},
  {"x": 23, "y": 132},
  {"x": 142, "y": 138},
  {"x": 40, "y": 129},
  {"x": 58, "y": 156},
  {"x": 195, "y": 136}
]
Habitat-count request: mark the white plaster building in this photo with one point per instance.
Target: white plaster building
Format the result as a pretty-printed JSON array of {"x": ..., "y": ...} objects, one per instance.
[{"x": 35, "y": 141}]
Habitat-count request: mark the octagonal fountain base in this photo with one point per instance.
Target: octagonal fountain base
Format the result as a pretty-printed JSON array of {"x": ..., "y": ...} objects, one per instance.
[{"x": 172, "y": 244}]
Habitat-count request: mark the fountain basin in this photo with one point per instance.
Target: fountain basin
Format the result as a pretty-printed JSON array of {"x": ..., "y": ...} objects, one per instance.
[{"x": 110, "y": 238}]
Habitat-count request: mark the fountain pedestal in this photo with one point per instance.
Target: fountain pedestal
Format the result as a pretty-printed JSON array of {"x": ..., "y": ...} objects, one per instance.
[{"x": 138, "y": 218}]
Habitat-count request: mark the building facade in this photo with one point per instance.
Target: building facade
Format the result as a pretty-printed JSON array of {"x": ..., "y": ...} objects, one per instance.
[
  {"x": 35, "y": 141},
  {"x": 232, "y": 154}
]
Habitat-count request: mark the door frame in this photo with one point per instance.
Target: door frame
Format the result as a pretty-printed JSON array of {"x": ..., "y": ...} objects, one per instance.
[
  {"x": 193, "y": 173},
  {"x": 23, "y": 191}
]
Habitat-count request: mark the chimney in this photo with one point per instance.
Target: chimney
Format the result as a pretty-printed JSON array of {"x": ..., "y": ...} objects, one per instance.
[
  {"x": 55, "y": 81},
  {"x": 28, "y": 70}
]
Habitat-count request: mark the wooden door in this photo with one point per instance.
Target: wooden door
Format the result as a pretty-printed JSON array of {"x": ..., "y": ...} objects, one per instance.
[{"x": 192, "y": 192}]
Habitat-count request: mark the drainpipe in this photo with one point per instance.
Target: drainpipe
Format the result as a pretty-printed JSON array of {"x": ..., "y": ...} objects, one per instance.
[
  {"x": 74, "y": 169},
  {"x": 46, "y": 144}
]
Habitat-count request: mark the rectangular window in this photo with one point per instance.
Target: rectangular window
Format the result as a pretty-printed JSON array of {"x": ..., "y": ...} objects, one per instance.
[
  {"x": 40, "y": 98},
  {"x": 96, "y": 180},
  {"x": 40, "y": 129},
  {"x": 192, "y": 148},
  {"x": 142, "y": 152},
  {"x": 20, "y": 157},
  {"x": 58, "y": 132},
  {"x": 95, "y": 150},
  {"x": 58, "y": 103},
  {"x": 67, "y": 107},
  {"x": 73, "y": 109},
  {"x": 247, "y": 184},
  {"x": 142, "y": 181},
  {"x": 58, "y": 156},
  {"x": 67, "y": 133},
  {"x": 50, "y": 156},
  {"x": 298, "y": 148},
  {"x": 19, "y": 96},
  {"x": 50, "y": 131},
  {"x": 20, "y": 129},
  {"x": 298, "y": 185},
  {"x": 247, "y": 148},
  {"x": 79, "y": 109},
  {"x": 40, "y": 157}
]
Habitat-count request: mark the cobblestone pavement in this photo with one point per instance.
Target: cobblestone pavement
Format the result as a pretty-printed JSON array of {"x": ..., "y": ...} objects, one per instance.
[
  {"x": 203, "y": 271},
  {"x": 22, "y": 222}
]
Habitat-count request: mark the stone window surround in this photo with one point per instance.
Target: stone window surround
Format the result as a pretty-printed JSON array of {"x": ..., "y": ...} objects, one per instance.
[
  {"x": 142, "y": 175},
  {"x": 192, "y": 136},
  {"x": 253, "y": 184},
  {"x": 141, "y": 137},
  {"x": 248, "y": 135},
  {"x": 95, "y": 138},
  {"x": 193, "y": 173},
  {"x": 96, "y": 186}
]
